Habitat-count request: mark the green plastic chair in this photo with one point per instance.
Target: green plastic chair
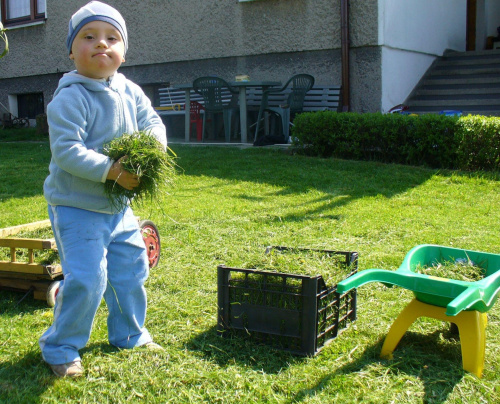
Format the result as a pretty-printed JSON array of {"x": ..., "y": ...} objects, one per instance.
[
  {"x": 455, "y": 295},
  {"x": 299, "y": 85},
  {"x": 218, "y": 97}
]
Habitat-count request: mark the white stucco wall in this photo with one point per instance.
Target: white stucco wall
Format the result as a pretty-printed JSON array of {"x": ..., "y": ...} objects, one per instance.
[
  {"x": 401, "y": 71},
  {"x": 412, "y": 34},
  {"x": 426, "y": 26}
]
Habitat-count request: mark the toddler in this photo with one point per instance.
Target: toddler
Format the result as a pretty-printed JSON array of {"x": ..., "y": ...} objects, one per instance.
[{"x": 101, "y": 249}]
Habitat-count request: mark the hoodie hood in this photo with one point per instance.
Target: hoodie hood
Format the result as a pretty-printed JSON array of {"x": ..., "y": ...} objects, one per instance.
[{"x": 115, "y": 82}]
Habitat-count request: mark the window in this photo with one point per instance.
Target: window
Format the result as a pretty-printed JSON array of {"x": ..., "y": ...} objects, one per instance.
[
  {"x": 29, "y": 105},
  {"x": 16, "y": 12}
]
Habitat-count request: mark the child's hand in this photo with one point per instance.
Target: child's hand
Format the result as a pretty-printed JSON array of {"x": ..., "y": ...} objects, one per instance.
[{"x": 124, "y": 178}]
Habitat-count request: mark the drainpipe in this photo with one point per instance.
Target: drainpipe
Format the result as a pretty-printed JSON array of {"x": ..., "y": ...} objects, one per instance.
[{"x": 344, "y": 37}]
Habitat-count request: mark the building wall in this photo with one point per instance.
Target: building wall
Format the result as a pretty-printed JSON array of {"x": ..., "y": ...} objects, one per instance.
[
  {"x": 179, "y": 40},
  {"x": 412, "y": 34}
]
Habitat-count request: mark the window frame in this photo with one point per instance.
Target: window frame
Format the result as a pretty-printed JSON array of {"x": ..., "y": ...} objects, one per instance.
[{"x": 34, "y": 16}]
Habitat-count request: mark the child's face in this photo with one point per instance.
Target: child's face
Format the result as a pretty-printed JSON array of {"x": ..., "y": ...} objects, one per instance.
[{"x": 98, "y": 50}]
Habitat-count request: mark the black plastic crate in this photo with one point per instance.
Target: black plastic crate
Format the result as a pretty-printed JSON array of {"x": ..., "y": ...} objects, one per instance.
[{"x": 297, "y": 313}]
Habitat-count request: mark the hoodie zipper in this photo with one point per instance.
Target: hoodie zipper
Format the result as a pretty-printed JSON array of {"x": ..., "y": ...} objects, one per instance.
[{"x": 118, "y": 97}]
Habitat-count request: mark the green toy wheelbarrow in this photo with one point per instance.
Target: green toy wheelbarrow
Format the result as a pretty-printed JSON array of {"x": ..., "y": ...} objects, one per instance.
[{"x": 462, "y": 303}]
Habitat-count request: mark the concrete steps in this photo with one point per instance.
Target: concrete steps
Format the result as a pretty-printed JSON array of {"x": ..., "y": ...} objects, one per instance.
[{"x": 463, "y": 81}]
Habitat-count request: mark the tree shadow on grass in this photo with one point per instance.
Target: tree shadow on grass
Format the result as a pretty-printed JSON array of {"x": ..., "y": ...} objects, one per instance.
[
  {"x": 236, "y": 349},
  {"x": 24, "y": 167},
  {"x": 99, "y": 348},
  {"x": 24, "y": 379},
  {"x": 340, "y": 181},
  {"x": 13, "y": 303},
  {"x": 426, "y": 357}
]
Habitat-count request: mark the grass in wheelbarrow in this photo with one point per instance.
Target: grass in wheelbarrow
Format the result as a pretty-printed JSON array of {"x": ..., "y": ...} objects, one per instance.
[
  {"x": 145, "y": 157},
  {"x": 460, "y": 270}
]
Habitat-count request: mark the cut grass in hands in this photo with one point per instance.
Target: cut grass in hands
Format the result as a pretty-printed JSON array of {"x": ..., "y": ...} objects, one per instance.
[{"x": 145, "y": 158}]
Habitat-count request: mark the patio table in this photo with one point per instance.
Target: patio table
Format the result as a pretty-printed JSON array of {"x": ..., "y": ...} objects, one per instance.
[{"x": 242, "y": 86}]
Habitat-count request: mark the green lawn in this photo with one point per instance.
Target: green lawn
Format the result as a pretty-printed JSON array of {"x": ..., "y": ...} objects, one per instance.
[{"x": 226, "y": 206}]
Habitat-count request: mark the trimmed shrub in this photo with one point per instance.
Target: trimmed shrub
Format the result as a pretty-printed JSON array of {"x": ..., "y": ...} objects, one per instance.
[
  {"x": 438, "y": 141},
  {"x": 479, "y": 143}
]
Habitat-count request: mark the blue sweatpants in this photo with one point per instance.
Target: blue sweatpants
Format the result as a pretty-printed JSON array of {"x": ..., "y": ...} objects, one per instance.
[{"x": 101, "y": 256}]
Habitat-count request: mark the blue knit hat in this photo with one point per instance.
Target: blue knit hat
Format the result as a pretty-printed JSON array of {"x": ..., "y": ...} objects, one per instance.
[{"x": 96, "y": 11}]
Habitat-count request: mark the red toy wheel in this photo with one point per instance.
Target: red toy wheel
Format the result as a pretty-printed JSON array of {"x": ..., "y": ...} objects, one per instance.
[{"x": 151, "y": 237}]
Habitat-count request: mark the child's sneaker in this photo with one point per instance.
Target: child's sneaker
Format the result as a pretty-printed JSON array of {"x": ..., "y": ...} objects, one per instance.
[
  {"x": 71, "y": 369},
  {"x": 153, "y": 346}
]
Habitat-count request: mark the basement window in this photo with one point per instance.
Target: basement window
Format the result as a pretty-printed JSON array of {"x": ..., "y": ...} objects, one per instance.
[
  {"x": 30, "y": 105},
  {"x": 22, "y": 12}
]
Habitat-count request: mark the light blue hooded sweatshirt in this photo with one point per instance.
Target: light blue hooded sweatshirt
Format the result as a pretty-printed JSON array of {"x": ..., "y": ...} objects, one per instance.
[{"x": 84, "y": 115}]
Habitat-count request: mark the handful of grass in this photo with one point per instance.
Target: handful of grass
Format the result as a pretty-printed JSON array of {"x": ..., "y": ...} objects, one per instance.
[{"x": 145, "y": 158}]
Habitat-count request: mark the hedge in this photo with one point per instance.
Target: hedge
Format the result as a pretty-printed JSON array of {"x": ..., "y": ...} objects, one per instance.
[{"x": 438, "y": 141}]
